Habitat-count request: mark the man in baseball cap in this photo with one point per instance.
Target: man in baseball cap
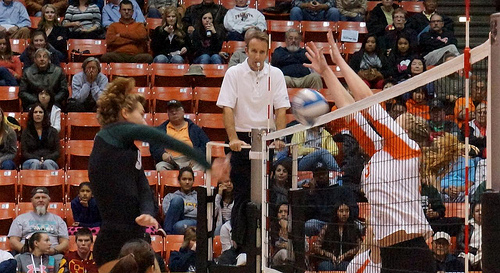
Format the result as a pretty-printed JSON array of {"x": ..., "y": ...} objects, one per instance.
[{"x": 445, "y": 261}]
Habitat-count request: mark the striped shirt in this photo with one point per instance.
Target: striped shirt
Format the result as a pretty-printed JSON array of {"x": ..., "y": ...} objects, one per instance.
[{"x": 89, "y": 18}]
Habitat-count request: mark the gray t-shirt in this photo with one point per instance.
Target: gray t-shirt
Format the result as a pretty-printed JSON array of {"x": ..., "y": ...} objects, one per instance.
[{"x": 30, "y": 222}]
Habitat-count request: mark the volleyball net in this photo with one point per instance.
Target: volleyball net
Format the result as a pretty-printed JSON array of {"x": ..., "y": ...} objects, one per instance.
[{"x": 408, "y": 160}]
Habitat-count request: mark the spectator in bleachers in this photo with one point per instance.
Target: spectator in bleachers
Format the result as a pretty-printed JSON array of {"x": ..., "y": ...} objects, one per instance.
[
  {"x": 84, "y": 208},
  {"x": 136, "y": 256},
  {"x": 40, "y": 145},
  {"x": 127, "y": 39},
  {"x": 159, "y": 258},
  {"x": 453, "y": 183},
  {"x": 240, "y": 56},
  {"x": 352, "y": 10},
  {"x": 240, "y": 18},
  {"x": 57, "y": 35},
  {"x": 393, "y": 32},
  {"x": 400, "y": 58},
  {"x": 87, "y": 86},
  {"x": 183, "y": 129},
  {"x": 451, "y": 87},
  {"x": 83, "y": 19},
  {"x": 316, "y": 145},
  {"x": 417, "y": 104},
  {"x": 420, "y": 21},
  {"x": 371, "y": 64},
  {"x": 8, "y": 144},
  {"x": 223, "y": 202},
  {"x": 314, "y": 10},
  {"x": 438, "y": 123},
  {"x": 478, "y": 90},
  {"x": 290, "y": 60},
  {"x": 46, "y": 99},
  {"x": 39, "y": 220},
  {"x": 111, "y": 13},
  {"x": 477, "y": 132},
  {"x": 157, "y": 7},
  {"x": 445, "y": 260},
  {"x": 169, "y": 42},
  {"x": 380, "y": 17},
  {"x": 43, "y": 75},
  {"x": 39, "y": 40},
  {"x": 184, "y": 260},
  {"x": 35, "y": 7},
  {"x": 11, "y": 68},
  {"x": 7, "y": 262},
  {"x": 180, "y": 207},
  {"x": 281, "y": 181},
  {"x": 194, "y": 14},
  {"x": 417, "y": 67},
  {"x": 477, "y": 96},
  {"x": 437, "y": 42},
  {"x": 475, "y": 254},
  {"x": 14, "y": 20},
  {"x": 36, "y": 256},
  {"x": 279, "y": 236},
  {"x": 207, "y": 41},
  {"x": 82, "y": 259}
]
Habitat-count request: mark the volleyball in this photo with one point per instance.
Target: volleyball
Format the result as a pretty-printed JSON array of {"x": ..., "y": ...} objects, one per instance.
[{"x": 307, "y": 105}]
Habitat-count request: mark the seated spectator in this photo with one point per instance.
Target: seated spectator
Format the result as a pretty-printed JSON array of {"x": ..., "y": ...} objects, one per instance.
[
  {"x": 126, "y": 39},
  {"x": 240, "y": 56},
  {"x": 184, "y": 130},
  {"x": 453, "y": 183},
  {"x": 316, "y": 145},
  {"x": 8, "y": 144},
  {"x": 339, "y": 240},
  {"x": 393, "y": 32},
  {"x": 46, "y": 99},
  {"x": 279, "y": 236},
  {"x": 83, "y": 19},
  {"x": 39, "y": 220},
  {"x": 475, "y": 239},
  {"x": 161, "y": 262},
  {"x": 224, "y": 201},
  {"x": 420, "y": 21},
  {"x": 478, "y": 92},
  {"x": 39, "y": 40},
  {"x": 7, "y": 262},
  {"x": 179, "y": 207},
  {"x": 87, "y": 86},
  {"x": 380, "y": 17},
  {"x": 370, "y": 64},
  {"x": 82, "y": 258},
  {"x": 445, "y": 260},
  {"x": 290, "y": 60},
  {"x": 281, "y": 182},
  {"x": 11, "y": 68},
  {"x": 438, "y": 123},
  {"x": 35, "y": 7},
  {"x": 84, "y": 208},
  {"x": 14, "y": 20},
  {"x": 157, "y": 7},
  {"x": 184, "y": 260},
  {"x": 169, "y": 42},
  {"x": 438, "y": 41},
  {"x": 477, "y": 96},
  {"x": 207, "y": 41},
  {"x": 43, "y": 75},
  {"x": 240, "y": 18},
  {"x": 400, "y": 58},
  {"x": 39, "y": 141},
  {"x": 353, "y": 11},
  {"x": 396, "y": 110},
  {"x": 111, "y": 13},
  {"x": 477, "y": 132},
  {"x": 37, "y": 249},
  {"x": 313, "y": 10},
  {"x": 57, "y": 35},
  {"x": 136, "y": 256},
  {"x": 451, "y": 87},
  {"x": 417, "y": 67},
  {"x": 194, "y": 13},
  {"x": 417, "y": 104}
]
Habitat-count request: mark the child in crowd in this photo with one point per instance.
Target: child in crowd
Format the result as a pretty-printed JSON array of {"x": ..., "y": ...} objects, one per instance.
[
  {"x": 84, "y": 207},
  {"x": 82, "y": 258},
  {"x": 223, "y": 203},
  {"x": 35, "y": 257},
  {"x": 184, "y": 260}
]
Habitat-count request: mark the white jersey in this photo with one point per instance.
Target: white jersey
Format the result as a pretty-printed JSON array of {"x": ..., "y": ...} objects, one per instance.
[{"x": 362, "y": 263}]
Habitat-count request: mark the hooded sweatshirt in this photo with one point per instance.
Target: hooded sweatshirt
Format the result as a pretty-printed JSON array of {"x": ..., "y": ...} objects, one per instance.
[
  {"x": 190, "y": 203},
  {"x": 240, "y": 18}
]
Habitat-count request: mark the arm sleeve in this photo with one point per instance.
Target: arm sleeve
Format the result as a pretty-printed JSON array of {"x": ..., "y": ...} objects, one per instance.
[
  {"x": 26, "y": 148},
  {"x": 80, "y": 87},
  {"x": 24, "y": 18},
  {"x": 10, "y": 146},
  {"x": 55, "y": 153},
  {"x": 62, "y": 94},
  {"x": 55, "y": 119},
  {"x": 76, "y": 208},
  {"x": 106, "y": 18},
  {"x": 138, "y": 34},
  {"x": 138, "y": 16},
  {"x": 112, "y": 40},
  {"x": 8, "y": 266},
  {"x": 25, "y": 95},
  {"x": 100, "y": 85},
  {"x": 166, "y": 203},
  {"x": 96, "y": 16}
]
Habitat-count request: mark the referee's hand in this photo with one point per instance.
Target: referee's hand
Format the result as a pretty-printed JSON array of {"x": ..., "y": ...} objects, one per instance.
[{"x": 235, "y": 145}]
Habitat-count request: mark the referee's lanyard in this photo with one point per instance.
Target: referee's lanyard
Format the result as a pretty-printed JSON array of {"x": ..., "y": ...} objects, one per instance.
[{"x": 41, "y": 263}]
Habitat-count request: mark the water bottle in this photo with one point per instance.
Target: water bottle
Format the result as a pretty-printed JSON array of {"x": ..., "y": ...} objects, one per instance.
[{"x": 209, "y": 33}]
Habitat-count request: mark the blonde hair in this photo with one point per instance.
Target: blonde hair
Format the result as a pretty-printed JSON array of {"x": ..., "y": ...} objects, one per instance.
[
  {"x": 43, "y": 22},
  {"x": 116, "y": 97},
  {"x": 437, "y": 158}
]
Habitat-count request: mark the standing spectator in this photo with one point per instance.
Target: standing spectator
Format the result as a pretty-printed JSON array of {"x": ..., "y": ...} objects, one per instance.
[
  {"x": 314, "y": 10},
  {"x": 184, "y": 260},
  {"x": 11, "y": 68},
  {"x": 35, "y": 7},
  {"x": 420, "y": 21},
  {"x": 445, "y": 261},
  {"x": 111, "y": 13},
  {"x": 195, "y": 12},
  {"x": 37, "y": 250},
  {"x": 39, "y": 141},
  {"x": 87, "y": 86},
  {"x": 240, "y": 18},
  {"x": 397, "y": 29},
  {"x": 127, "y": 39},
  {"x": 57, "y": 35},
  {"x": 370, "y": 64},
  {"x": 43, "y": 75},
  {"x": 352, "y": 10},
  {"x": 157, "y": 7},
  {"x": 8, "y": 144},
  {"x": 380, "y": 17},
  {"x": 475, "y": 254},
  {"x": 290, "y": 60},
  {"x": 169, "y": 42},
  {"x": 14, "y": 20},
  {"x": 39, "y": 40},
  {"x": 207, "y": 41},
  {"x": 84, "y": 208},
  {"x": 46, "y": 99},
  {"x": 438, "y": 41},
  {"x": 83, "y": 20},
  {"x": 82, "y": 258}
]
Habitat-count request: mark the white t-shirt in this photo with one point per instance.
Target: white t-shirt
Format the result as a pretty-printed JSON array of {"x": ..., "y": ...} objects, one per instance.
[
  {"x": 363, "y": 264},
  {"x": 246, "y": 92},
  {"x": 30, "y": 222}
]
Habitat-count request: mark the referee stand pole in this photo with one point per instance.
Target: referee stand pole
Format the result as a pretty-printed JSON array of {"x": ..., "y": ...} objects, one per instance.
[{"x": 491, "y": 199}]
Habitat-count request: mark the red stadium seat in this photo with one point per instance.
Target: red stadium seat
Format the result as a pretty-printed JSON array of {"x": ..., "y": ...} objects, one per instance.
[
  {"x": 73, "y": 180},
  {"x": 8, "y": 186},
  {"x": 152, "y": 23},
  {"x": 158, "y": 244},
  {"x": 316, "y": 31},
  {"x": 169, "y": 74},
  {"x": 188, "y": 3},
  {"x": 262, "y": 4},
  {"x": 138, "y": 71},
  {"x": 52, "y": 179},
  {"x": 360, "y": 27},
  {"x": 169, "y": 181},
  {"x": 96, "y": 48},
  {"x": 412, "y": 7},
  {"x": 162, "y": 95},
  {"x": 78, "y": 154},
  {"x": 214, "y": 74},
  {"x": 18, "y": 45},
  {"x": 148, "y": 162},
  {"x": 9, "y": 99},
  {"x": 172, "y": 243},
  {"x": 277, "y": 28},
  {"x": 7, "y": 215},
  {"x": 371, "y": 5},
  {"x": 276, "y": 44},
  {"x": 4, "y": 242},
  {"x": 146, "y": 93},
  {"x": 152, "y": 177},
  {"x": 348, "y": 49},
  {"x": 364, "y": 210},
  {"x": 205, "y": 99},
  {"x": 455, "y": 210},
  {"x": 34, "y": 22},
  {"x": 82, "y": 126},
  {"x": 217, "y": 246},
  {"x": 234, "y": 46},
  {"x": 213, "y": 126}
]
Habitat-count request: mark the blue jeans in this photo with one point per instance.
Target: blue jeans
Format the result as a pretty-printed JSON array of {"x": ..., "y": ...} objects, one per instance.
[
  {"x": 154, "y": 13},
  {"x": 207, "y": 59},
  {"x": 313, "y": 227},
  {"x": 358, "y": 18},
  {"x": 174, "y": 220},
  {"x": 235, "y": 36},
  {"x": 298, "y": 14},
  {"x": 6, "y": 78},
  {"x": 8, "y": 165},
  {"x": 35, "y": 164},
  {"x": 329, "y": 266},
  {"x": 308, "y": 162},
  {"x": 177, "y": 59}
]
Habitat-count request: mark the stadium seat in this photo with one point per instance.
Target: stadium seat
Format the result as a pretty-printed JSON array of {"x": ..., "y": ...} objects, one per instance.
[
  {"x": 229, "y": 4},
  {"x": 213, "y": 126},
  {"x": 350, "y": 48},
  {"x": 276, "y": 44},
  {"x": 234, "y": 46},
  {"x": 152, "y": 177},
  {"x": 337, "y": 72},
  {"x": 152, "y": 23},
  {"x": 162, "y": 95},
  {"x": 96, "y": 48},
  {"x": 146, "y": 93},
  {"x": 289, "y": 118},
  {"x": 78, "y": 153},
  {"x": 7, "y": 215},
  {"x": 262, "y": 4},
  {"x": 8, "y": 186},
  {"x": 81, "y": 126},
  {"x": 159, "y": 118},
  {"x": 214, "y": 74},
  {"x": 73, "y": 180},
  {"x": 168, "y": 74},
  {"x": 52, "y": 179},
  {"x": 326, "y": 52},
  {"x": 218, "y": 151},
  {"x": 69, "y": 214},
  {"x": 9, "y": 99},
  {"x": 56, "y": 208},
  {"x": 205, "y": 99},
  {"x": 217, "y": 246},
  {"x": 148, "y": 162},
  {"x": 4, "y": 242},
  {"x": 370, "y": 5},
  {"x": 277, "y": 28},
  {"x": 172, "y": 243},
  {"x": 412, "y": 7},
  {"x": 316, "y": 30},
  {"x": 188, "y": 3},
  {"x": 61, "y": 161},
  {"x": 455, "y": 210},
  {"x": 149, "y": 118},
  {"x": 360, "y": 27},
  {"x": 34, "y": 22},
  {"x": 71, "y": 69},
  {"x": 18, "y": 45},
  {"x": 138, "y": 71},
  {"x": 158, "y": 244}
]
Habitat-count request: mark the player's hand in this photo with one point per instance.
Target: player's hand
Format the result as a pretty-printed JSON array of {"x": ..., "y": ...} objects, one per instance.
[
  {"x": 235, "y": 145},
  {"x": 334, "y": 49},
  {"x": 318, "y": 61},
  {"x": 146, "y": 220},
  {"x": 278, "y": 144}
]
